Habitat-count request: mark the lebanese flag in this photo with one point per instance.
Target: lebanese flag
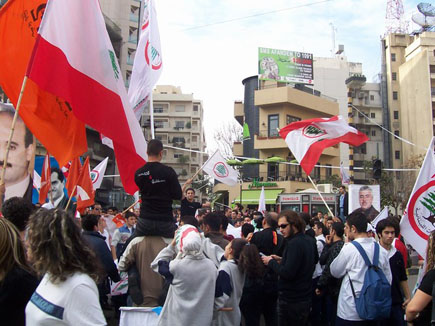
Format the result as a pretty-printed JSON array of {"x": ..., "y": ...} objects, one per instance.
[
  {"x": 45, "y": 180},
  {"x": 73, "y": 175},
  {"x": 74, "y": 59},
  {"x": 85, "y": 193},
  {"x": 308, "y": 138},
  {"x": 47, "y": 115},
  {"x": 147, "y": 66}
]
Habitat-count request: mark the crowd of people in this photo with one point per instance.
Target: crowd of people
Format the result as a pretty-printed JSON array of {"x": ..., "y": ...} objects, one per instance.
[{"x": 204, "y": 266}]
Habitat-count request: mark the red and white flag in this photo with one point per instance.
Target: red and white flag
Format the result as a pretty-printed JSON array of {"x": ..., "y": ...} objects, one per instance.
[
  {"x": 97, "y": 173},
  {"x": 308, "y": 138},
  {"x": 85, "y": 193},
  {"x": 73, "y": 175},
  {"x": 45, "y": 180},
  {"x": 147, "y": 66},
  {"x": 73, "y": 58},
  {"x": 419, "y": 217}
]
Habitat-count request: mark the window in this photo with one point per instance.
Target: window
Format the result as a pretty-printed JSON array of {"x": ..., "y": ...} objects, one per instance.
[
  {"x": 272, "y": 171},
  {"x": 397, "y": 155},
  {"x": 195, "y": 108},
  {"x": 393, "y": 57},
  {"x": 373, "y": 133},
  {"x": 372, "y": 97},
  {"x": 159, "y": 123},
  {"x": 395, "y": 95},
  {"x": 178, "y": 140},
  {"x": 397, "y": 133},
  {"x": 127, "y": 78},
  {"x": 394, "y": 76},
  {"x": 291, "y": 119},
  {"x": 179, "y": 108},
  {"x": 177, "y": 155},
  {"x": 273, "y": 125},
  {"x": 315, "y": 174},
  {"x": 328, "y": 170},
  {"x": 158, "y": 109},
  {"x": 179, "y": 124},
  {"x": 132, "y": 35},
  {"x": 130, "y": 56},
  {"x": 396, "y": 115},
  {"x": 372, "y": 115}
]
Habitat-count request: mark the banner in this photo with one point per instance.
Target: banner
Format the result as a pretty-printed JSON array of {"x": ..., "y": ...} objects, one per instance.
[
  {"x": 419, "y": 217},
  {"x": 285, "y": 66},
  {"x": 217, "y": 168},
  {"x": 97, "y": 173},
  {"x": 365, "y": 199}
]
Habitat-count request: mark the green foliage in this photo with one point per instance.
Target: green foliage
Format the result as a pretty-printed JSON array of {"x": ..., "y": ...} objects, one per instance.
[{"x": 334, "y": 179}]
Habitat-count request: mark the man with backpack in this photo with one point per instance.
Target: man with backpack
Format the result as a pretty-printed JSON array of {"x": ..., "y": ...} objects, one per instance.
[{"x": 365, "y": 293}]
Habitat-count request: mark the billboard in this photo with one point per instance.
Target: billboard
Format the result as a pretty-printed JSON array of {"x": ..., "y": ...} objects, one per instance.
[
  {"x": 365, "y": 199},
  {"x": 285, "y": 66}
]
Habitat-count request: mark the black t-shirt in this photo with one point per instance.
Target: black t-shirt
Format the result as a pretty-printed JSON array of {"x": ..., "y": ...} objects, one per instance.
[
  {"x": 398, "y": 272},
  {"x": 189, "y": 208},
  {"x": 426, "y": 285},
  {"x": 158, "y": 186}
]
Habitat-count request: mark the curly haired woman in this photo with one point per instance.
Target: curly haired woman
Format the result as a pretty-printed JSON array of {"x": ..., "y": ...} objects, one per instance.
[
  {"x": 67, "y": 294},
  {"x": 17, "y": 281}
]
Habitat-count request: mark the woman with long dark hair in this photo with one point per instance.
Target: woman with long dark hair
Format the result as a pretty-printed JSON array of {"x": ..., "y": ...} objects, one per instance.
[
  {"x": 17, "y": 280},
  {"x": 243, "y": 260},
  {"x": 67, "y": 294}
]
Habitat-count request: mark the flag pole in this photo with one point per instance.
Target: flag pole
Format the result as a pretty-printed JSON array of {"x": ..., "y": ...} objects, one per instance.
[
  {"x": 11, "y": 133},
  {"x": 127, "y": 209},
  {"x": 70, "y": 197},
  {"x": 323, "y": 199}
]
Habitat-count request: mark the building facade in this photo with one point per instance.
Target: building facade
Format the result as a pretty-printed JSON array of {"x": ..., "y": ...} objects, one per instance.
[
  {"x": 178, "y": 121},
  {"x": 269, "y": 106},
  {"x": 409, "y": 74}
]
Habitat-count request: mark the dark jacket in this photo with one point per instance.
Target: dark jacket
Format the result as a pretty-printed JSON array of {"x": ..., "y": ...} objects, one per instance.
[
  {"x": 15, "y": 291},
  {"x": 97, "y": 243},
  {"x": 370, "y": 213},
  {"x": 296, "y": 268},
  {"x": 327, "y": 281},
  {"x": 346, "y": 204}
]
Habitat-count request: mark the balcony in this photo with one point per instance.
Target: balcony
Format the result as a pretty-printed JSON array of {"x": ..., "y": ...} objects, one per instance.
[
  {"x": 266, "y": 139},
  {"x": 134, "y": 17}
]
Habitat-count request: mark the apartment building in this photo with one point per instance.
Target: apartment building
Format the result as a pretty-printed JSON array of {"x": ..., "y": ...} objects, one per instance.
[
  {"x": 178, "y": 121},
  {"x": 409, "y": 75},
  {"x": 268, "y": 106}
]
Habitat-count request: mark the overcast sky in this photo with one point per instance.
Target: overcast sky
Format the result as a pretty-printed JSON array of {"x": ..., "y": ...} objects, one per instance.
[{"x": 208, "y": 49}]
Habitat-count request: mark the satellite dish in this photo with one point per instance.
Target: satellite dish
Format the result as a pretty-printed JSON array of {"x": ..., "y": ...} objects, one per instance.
[{"x": 426, "y": 9}]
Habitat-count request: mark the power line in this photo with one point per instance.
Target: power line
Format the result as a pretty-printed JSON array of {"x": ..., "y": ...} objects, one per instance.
[{"x": 256, "y": 15}]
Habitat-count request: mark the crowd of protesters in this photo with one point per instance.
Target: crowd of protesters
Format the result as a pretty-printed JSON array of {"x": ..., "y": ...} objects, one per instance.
[{"x": 204, "y": 267}]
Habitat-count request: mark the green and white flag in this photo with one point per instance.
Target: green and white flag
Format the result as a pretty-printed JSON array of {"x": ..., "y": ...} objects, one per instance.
[
  {"x": 217, "y": 167},
  {"x": 246, "y": 134}
]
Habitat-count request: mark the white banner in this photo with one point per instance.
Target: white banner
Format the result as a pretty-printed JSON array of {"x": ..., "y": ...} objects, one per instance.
[
  {"x": 419, "y": 217},
  {"x": 97, "y": 174},
  {"x": 217, "y": 167}
]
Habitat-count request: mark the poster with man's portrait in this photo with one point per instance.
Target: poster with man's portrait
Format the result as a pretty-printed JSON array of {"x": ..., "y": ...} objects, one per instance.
[
  {"x": 19, "y": 167},
  {"x": 365, "y": 199}
]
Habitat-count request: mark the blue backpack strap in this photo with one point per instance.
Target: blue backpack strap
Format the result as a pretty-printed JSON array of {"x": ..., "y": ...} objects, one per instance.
[
  {"x": 363, "y": 253},
  {"x": 376, "y": 255}
]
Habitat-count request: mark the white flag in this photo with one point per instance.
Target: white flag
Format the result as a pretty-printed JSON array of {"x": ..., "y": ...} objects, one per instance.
[
  {"x": 382, "y": 216},
  {"x": 217, "y": 167},
  {"x": 345, "y": 179},
  {"x": 97, "y": 174},
  {"x": 147, "y": 66},
  {"x": 419, "y": 217},
  {"x": 262, "y": 202}
]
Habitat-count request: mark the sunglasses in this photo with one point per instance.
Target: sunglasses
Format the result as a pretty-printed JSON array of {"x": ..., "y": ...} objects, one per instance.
[{"x": 282, "y": 226}]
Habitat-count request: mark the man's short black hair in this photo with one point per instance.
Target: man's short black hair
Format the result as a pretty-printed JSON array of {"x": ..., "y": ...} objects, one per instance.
[
  {"x": 224, "y": 220},
  {"x": 189, "y": 219},
  {"x": 359, "y": 220},
  {"x": 247, "y": 228},
  {"x": 60, "y": 176},
  {"x": 271, "y": 221},
  {"x": 113, "y": 208},
  {"x": 338, "y": 227},
  {"x": 129, "y": 214},
  {"x": 322, "y": 226},
  {"x": 213, "y": 220},
  {"x": 89, "y": 221},
  {"x": 190, "y": 188},
  {"x": 17, "y": 210},
  {"x": 154, "y": 148},
  {"x": 382, "y": 224}
]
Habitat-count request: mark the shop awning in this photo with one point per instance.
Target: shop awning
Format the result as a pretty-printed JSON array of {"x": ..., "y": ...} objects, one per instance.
[{"x": 251, "y": 197}]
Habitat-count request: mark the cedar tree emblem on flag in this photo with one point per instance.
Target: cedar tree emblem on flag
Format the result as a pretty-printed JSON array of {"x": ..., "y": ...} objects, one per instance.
[
  {"x": 312, "y": 131},
  {"x": 220, "y": 170}
]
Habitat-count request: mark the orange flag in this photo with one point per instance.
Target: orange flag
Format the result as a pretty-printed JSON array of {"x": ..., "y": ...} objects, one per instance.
[
  {"x": 73, "y": 175},
  {"x": 48, "y": 117},
  {"x": 45, "y": 180},
  {"x": 85, "y": 193}
]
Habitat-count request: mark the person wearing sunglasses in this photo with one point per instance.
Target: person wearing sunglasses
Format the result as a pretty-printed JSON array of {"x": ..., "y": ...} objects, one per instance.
[{"x": 295, "y": 270}]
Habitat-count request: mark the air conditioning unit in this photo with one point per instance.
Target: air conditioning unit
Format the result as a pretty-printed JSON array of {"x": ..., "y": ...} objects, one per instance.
[{"x": 325, "y": 188}]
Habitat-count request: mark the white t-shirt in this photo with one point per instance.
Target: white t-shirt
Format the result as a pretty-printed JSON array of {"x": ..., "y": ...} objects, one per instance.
[{"x": 73, "y": 302}]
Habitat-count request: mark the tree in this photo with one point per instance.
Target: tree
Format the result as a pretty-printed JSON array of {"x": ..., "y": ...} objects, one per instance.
[
  {"x": 225, "y": 136},
  {"x": 334, "y": 179}
]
